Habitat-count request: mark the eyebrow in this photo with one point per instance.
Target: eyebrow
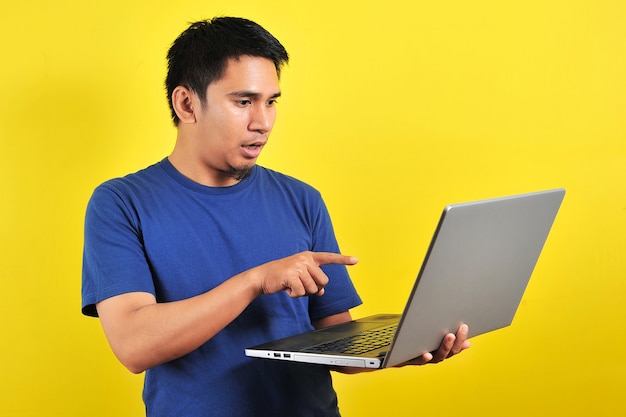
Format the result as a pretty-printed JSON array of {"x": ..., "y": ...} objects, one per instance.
[{"x": 251, "y": 94}]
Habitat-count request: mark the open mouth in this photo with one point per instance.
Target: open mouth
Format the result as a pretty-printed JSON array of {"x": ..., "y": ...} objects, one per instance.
[
  {"x": 253, "y": 146},
  {"x": 252, "y": 150}
]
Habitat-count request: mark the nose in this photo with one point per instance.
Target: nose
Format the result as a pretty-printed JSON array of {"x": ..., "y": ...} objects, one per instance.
[{"x": 262, "y": 118}]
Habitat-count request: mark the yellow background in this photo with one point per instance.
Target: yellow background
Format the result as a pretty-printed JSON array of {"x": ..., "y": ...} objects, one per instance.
[{"x": 392, "y": 110}]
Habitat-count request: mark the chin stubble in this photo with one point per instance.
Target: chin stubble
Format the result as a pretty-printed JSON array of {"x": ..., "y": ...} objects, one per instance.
[{"x": 239, "y": 173}]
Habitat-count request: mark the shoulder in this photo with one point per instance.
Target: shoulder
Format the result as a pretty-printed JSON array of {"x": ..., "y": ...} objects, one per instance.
[
  {"x": 140, "y": 180},
  {"x": 270, "y": 178},
  {"x": 144, "y": 182},
  {"x": 127, "y": 192}
]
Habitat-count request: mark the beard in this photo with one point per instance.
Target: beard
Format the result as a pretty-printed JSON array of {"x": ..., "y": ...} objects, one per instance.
[{"x": 239, "y": 174}]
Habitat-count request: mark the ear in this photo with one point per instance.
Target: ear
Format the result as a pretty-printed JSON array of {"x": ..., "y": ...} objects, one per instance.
[{"x": 185, "y": 102}]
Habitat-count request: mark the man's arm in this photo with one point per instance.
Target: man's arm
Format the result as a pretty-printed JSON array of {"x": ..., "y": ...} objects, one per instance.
[
  {"x": 144, "y": 333},
  {"x": 338, "y": 318}
]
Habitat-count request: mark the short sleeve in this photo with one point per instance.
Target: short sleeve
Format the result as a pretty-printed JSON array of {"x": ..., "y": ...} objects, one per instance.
[
  {"x": 340, "y": 294},
  {"x": 114, "y": 260}
]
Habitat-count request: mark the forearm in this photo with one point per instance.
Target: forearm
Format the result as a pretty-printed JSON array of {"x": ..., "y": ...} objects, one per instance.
[{"x": 144, "y": 333}]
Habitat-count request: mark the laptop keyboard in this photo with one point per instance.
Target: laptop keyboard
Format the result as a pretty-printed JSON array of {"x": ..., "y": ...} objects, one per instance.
[{"x": 364, "y": 342}]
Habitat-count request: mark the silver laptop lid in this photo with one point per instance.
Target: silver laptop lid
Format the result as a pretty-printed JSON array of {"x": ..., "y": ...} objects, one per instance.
[{"x": 476, "y": 269}]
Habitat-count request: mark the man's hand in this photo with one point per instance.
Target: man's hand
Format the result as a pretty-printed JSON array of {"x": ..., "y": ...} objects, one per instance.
[
  {"x": 299, "y": 274},
  {"x": 450, "y": 345}
]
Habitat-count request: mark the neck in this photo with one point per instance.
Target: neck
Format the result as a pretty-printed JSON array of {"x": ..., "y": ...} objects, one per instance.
[{"x": 193, "y": 168}]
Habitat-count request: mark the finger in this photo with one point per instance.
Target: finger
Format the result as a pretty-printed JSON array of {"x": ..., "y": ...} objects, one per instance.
[
  {"x": 444, "y": 349},
  {"x": 319, "y": 279},
  {"x": 420, "y": 360},
  {"x": 299, "y": 290},
  {"x": 314, "y": 280},
  {"x": 294, "y": 288},
  {"x": 326, "y": 258},
  {"x": 423, "y": 360},
  {"x": 461, "y": 342},
  {"x": 306, "y": 281},
  {"x": 317, "y": 276}
]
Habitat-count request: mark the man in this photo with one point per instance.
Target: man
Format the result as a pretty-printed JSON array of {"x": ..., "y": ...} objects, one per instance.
[{"x": 191, "y": 260}]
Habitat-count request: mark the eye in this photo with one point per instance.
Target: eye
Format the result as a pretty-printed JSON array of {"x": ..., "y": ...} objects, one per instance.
[
  {"x": 244, "y": 102},
  {"x": 272, "y": 102}
]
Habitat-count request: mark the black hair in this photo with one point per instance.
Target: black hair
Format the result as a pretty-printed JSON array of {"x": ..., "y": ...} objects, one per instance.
[{"x": 200, "y": 54}]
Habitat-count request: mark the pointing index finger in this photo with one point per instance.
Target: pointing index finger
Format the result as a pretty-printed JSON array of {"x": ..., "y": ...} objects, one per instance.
[{"x": 325, "y": 258}]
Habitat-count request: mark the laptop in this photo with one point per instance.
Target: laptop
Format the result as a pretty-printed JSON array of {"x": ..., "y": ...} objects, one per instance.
[{"x": 476, "y": 270}]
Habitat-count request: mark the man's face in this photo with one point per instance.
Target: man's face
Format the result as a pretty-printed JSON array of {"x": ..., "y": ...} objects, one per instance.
[{"x": 235, "y": 122}]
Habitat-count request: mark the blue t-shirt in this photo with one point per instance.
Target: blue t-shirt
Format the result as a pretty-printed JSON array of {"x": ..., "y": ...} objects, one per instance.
[{"x": 157, "y": 231}]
